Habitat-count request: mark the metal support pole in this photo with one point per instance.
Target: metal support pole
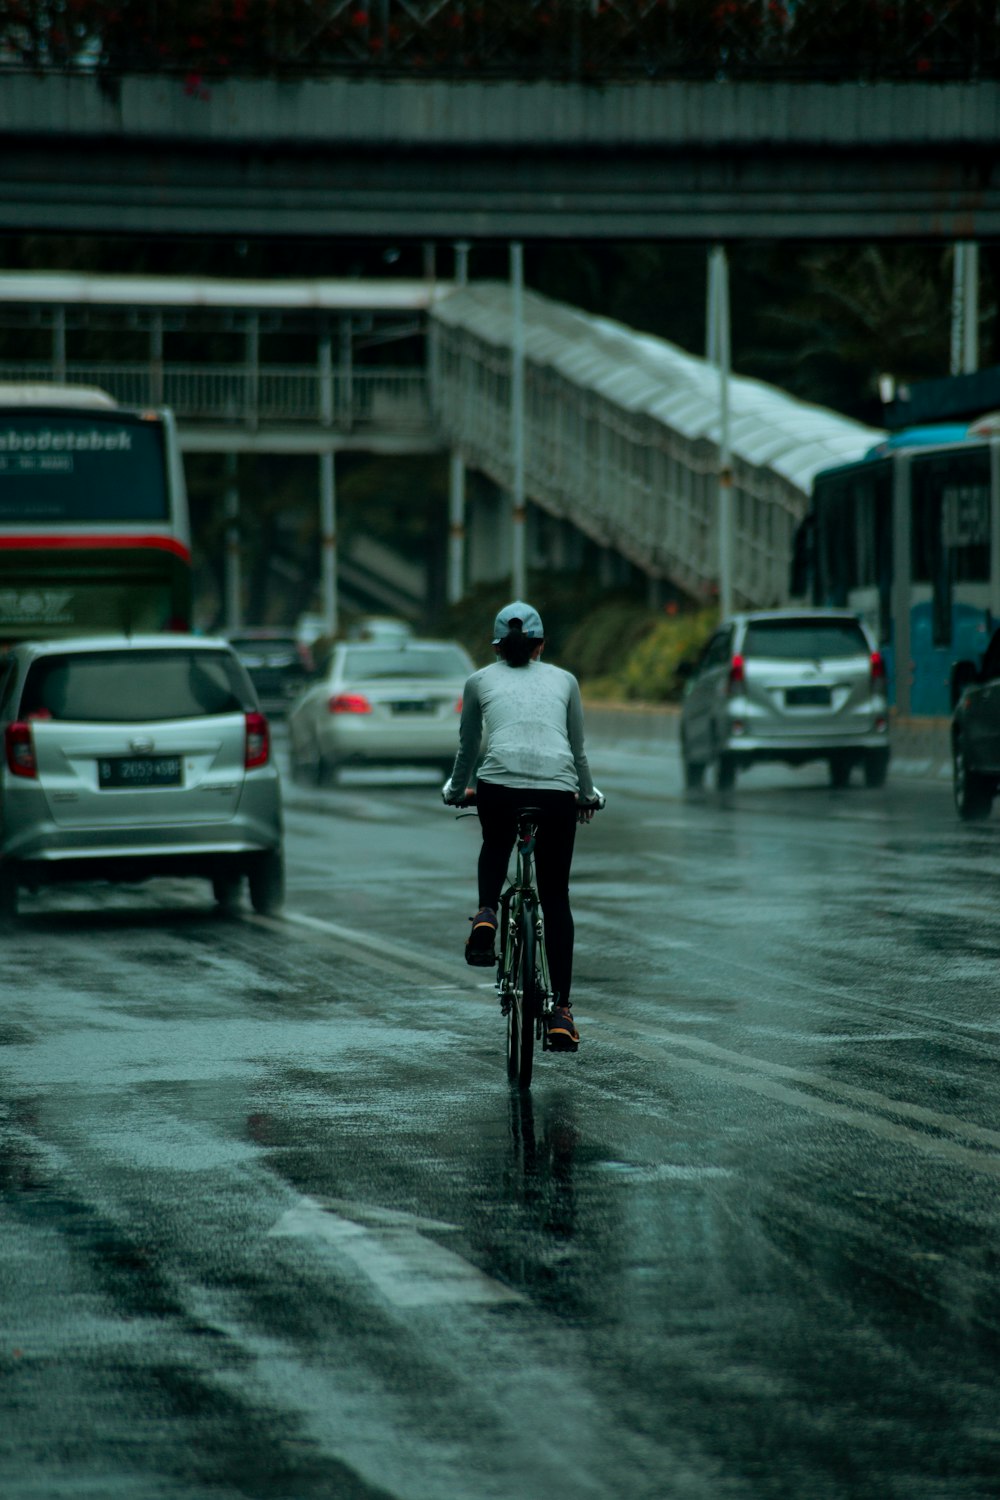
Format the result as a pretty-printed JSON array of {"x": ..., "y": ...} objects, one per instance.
[
  {"x": 156, "y": 359},
  {"x": 970, "y": 325},
  {"x": 711, "y": 313},
  {"x": 324, "y": 365},
  {"x": 902, "y": 567},
  {"x": 965, "y": 309},
  {"x": 456, "y": 528},
  {"x": 518, "y": 508},
  {"x": 718, "y": 328},
  {"x": 59, "y": 344},
  {"x": 346, "y": 413},
  {"x": 462, "y": 262},
  {"x": 233, "y": 580},
  {"x": 328, "y": 540},
  {"x": 957, "y": 308},
  {"x": 994, "y": 532},
  {"x": 253, "y": 371}
]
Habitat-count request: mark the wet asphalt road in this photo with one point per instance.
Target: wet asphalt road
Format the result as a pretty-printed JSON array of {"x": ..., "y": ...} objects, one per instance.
[{"x": 273, "y": 1225}]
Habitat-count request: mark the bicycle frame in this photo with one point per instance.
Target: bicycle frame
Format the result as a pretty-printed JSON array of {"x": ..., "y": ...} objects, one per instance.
[{"x": 523, "y": 971}]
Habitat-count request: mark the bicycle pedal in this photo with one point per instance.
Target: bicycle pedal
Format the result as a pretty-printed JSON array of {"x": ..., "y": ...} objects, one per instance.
[{"x": 480, "y": 960}]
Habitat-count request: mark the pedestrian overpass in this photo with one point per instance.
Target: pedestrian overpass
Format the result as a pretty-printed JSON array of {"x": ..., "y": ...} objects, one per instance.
[{"x": 620, "y": 433}]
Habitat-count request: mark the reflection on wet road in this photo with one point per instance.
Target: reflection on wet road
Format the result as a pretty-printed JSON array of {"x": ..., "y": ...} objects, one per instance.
[{"x": 273, "y": 1224}]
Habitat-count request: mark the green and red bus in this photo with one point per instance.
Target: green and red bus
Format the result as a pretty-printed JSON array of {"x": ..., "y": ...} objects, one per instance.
[{"x": 94, "y": 532}]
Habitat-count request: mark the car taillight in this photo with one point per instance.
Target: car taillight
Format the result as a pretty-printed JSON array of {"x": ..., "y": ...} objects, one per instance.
[
  {"x": 458, "y": 706},
  {"x": 349, "y": 703},
  {"x": 20, "y": 749},
  {"x": 736, "y": 675},
  {"x": 878, "y": 669},
  {"x": 258, "y": 746}
]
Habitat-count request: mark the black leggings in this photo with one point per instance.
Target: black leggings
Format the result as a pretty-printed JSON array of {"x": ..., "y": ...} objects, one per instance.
[{"x": 498, "y": 807}]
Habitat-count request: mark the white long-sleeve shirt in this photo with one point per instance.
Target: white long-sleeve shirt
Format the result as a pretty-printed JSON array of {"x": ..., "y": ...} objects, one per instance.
[{"x": 532, "y": 720}]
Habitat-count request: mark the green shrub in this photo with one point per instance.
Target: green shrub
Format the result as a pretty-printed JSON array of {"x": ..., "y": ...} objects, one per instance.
[
  {"x": 600, "y": 642},
  {"x": 650, "y": 672},
  {"x": 588, "y": 631},
  {"x": 619, "y": 648}
]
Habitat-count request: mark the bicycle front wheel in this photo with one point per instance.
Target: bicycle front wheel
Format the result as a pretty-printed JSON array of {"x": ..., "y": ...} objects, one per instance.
[{"x": 524, "y": 1003}]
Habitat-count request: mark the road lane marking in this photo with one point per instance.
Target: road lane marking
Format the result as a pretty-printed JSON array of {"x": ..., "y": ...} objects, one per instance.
[
  {"x": 744, "y": 1070},
  {"x": 384, "y": 949},
  {"x": 737, "y": 1069},
  {"x": 392, "y": 1250},
  {"x": 662, "y": 1171}
]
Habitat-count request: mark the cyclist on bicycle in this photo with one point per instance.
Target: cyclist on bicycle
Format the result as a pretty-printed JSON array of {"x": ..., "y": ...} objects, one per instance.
[{"x": 532, "y": 718}]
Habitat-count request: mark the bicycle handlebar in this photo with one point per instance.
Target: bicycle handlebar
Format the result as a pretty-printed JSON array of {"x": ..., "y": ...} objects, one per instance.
[{"x": 594, "y": 804}]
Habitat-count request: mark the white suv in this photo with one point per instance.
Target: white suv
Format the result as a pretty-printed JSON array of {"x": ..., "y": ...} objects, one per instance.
[
  {"x": 126, "y": 758},
  {"x": 787, "y": 685}
]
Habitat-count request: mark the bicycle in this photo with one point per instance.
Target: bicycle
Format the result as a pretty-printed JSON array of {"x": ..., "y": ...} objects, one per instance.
[
  {"x": 522, "y": 966},
  {"x": 522, "y": 981}
]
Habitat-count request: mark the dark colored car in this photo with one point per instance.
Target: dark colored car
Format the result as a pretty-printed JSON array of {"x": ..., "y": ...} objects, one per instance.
[
  {"x": 975, "y": 734},
  {"x": 276, "y": 662}
]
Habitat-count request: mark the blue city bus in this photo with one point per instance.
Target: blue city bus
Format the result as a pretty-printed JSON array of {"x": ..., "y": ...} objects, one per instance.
[{"x": 909, "y": 537}]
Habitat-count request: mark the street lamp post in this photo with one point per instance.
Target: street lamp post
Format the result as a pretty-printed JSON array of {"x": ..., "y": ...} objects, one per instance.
[
  {"x": 518, "y": 550},
  {"x": 719, "y": 354}
]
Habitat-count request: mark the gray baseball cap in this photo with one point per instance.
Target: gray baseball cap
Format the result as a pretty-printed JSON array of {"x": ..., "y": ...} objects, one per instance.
[{"x": 531, "y": 621}]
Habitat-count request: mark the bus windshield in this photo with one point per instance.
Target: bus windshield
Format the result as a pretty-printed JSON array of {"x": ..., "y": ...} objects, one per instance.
[
  {"x": 94, "y": 532},
  {"x": 59, "y": 467}
]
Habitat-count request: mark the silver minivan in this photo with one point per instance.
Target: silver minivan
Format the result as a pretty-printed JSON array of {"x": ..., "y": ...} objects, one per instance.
[
  {"x": 791, "y": 686},
  {"x": 125, "y": 758}
]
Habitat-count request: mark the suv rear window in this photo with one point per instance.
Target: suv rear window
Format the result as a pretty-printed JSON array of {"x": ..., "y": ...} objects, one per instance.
[
  {"x": 130, "y": 686},
  {"x": 804, "y": 640}
]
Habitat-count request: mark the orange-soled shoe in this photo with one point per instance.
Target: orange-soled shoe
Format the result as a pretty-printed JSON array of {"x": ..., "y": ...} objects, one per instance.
[
  {"x": 479, "y": 949},
  {"x": 561, "y": 1034}
]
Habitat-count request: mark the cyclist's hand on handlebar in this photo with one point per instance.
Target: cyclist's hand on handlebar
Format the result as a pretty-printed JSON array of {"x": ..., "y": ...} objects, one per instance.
[
  {"x": 589, "y": 806},
  {"x": 454, "y": 797}
]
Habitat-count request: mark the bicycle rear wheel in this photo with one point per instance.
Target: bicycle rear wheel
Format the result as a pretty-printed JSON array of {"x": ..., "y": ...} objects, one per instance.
[{"x": 524, "y": 1003}]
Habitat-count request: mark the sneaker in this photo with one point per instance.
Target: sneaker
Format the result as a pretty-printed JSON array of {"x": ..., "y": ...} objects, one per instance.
[
  {"x": 561, "y": 1034},
  {"x": 479, "y": 947}
]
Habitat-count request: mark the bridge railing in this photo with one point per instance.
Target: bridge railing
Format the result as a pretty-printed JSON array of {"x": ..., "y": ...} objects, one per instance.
[
  {"x": 515, "y": 38},
  {"x": 360, "y": 400},
  {"x": 627, "y": 479}
]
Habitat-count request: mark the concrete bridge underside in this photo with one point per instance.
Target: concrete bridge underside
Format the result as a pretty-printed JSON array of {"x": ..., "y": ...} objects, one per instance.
[{"x": 358, "y": 157}]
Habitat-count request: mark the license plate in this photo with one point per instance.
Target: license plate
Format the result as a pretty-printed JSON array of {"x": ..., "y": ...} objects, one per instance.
[
  {"x": 140, "y": 770},
  {"x": 413, "y": 706},
  {"x": 808, "y": 697}
]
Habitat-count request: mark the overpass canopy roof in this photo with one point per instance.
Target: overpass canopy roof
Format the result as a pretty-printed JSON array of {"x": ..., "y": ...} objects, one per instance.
[
  {"x": 67, "y": 288},
  {"x": 645, "y": 375}
]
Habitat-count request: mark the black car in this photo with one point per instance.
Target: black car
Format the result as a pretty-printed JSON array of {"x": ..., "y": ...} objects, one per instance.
[
  {"x": 975, "y": 734},
  {"x": 276, "y": 663}
]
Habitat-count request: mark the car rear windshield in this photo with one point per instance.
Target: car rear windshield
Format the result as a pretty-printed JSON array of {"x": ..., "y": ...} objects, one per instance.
[
  {"x": 249, "y": 649},
  {"x": 409, "y": 661},
  {"x": 263, "y": 642},
  {"x": 128, "y": 687},
  {"x": 804, "y": 640}
]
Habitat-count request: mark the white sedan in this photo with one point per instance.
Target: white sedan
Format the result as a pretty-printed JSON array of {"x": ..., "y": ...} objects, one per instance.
[{"x": 380, "y": 705}]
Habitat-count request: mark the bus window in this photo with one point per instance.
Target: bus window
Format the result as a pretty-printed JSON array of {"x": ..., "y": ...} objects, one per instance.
[
  {"x": 93, "y": 517},
  {"x": 62, "y": 467},
  {"x": 951, "y": 532},
  {"x": 853, "y": 553}
]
